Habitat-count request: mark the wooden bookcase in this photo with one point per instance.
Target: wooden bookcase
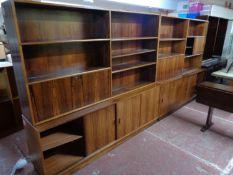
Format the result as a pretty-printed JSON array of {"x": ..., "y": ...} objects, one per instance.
[{"x": 89, "y": 79}]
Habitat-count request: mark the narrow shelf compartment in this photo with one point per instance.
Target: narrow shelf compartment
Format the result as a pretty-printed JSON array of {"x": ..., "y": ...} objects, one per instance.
[
  {"x": 53, "y": 61},
  {"x": 122, "y": 89},
  {"x": 131, "y": 53},
  {"x": 128, "y": 66},
  {"x": 133, "y": 25},
  {"x": 59, "y": 162},
  {"x": 57, "y": 139}
]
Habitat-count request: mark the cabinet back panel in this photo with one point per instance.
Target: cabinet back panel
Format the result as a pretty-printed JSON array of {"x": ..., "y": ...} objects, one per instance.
[
  {"x": 133, "y": 25},
  {"x": 56, "y": 97},
  {"x": 69, "y": 57},
  {"x": 42, "y": 23}
]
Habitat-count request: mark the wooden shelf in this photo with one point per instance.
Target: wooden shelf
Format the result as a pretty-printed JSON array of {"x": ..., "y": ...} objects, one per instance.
[
  {"x": 57, "y": 139},
  {"x": 69, "y": 72},
  {"x": 131, "y": 53},
  {"x": 167, "y": 55},
  {"x": 122, "y": 89},
  {"x": 189, "y": 56},
  {"x": 190, "y": 71},
  {"x": 126, "y": 66},
  {"x": 62, "y": 41},
  {"x": 172, "y": 39},
  {"x": 135, "y": 38},
  {"x": 196, "y": 36},
  {"x": 58, "y": 162}
]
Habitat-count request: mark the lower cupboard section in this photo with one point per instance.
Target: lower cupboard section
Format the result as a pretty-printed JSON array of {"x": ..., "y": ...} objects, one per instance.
[
  {"x": 71, "y": 142},
  {"x": 175, "y": 93}
]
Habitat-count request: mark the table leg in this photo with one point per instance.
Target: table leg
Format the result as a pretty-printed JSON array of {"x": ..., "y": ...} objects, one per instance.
[{"x": 208, "y": 120}]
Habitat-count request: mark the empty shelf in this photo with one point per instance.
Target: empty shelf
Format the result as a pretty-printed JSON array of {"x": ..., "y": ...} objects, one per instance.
[
  {"x": 172, "y": 39},
  {"x": 167, "y": 55},
  {"x": 58, "y": 162},
  {"x": 130, "y": 53},
  {"x": 129, "y": 66},
  {"x": 189, "y": 56},
  {"x": 68, "y": 72},
  {"x": 132, "y": 38},
  {"x": 188, "y": 71},
  {"x": 63, "y": 41},
  {"x": 57, "y": 139},
  {"x": 122, "y": 89}
]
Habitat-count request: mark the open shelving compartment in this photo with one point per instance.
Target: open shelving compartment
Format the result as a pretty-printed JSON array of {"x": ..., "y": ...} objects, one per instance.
[
  {"x": 172, "y": 28},
  {"x": 197, "y": 28},
  {"x": 127, "y": 26},
  {"x": 128, "y": 55},
  {"x": 62, "y": 146},
  {"x": 134, "y": 78},
  {"x": 189, "y": 46},
  {"x": 50, "y": 24},
  {"x": 171, "y": 48},
  {"x": 192, "y": 62},
  {"x": 52, "y": 61}
]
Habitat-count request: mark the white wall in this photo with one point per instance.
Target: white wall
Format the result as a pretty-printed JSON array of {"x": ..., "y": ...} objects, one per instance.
[
  {"x": 110, "y": 4},
  {"x": 221, "y": 12}
]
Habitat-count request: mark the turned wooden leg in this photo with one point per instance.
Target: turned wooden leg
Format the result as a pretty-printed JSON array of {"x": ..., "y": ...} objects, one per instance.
[{"x": 208, "y": 123}]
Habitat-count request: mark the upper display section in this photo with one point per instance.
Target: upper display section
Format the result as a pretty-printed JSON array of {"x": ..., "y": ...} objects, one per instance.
[
  {"x": 133, "y": 25},
  {"x": 173, "y": 27},
  {"x": 52, "y": 24}
]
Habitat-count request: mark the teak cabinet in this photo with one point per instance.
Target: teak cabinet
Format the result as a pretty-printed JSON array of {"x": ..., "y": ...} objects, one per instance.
[{"x": 88, "y": 79}]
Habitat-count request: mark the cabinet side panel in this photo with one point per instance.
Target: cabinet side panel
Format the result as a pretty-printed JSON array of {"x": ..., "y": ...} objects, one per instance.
[
  {"x": 35, "y": 153},
  {"x": 9, "y": 18}
]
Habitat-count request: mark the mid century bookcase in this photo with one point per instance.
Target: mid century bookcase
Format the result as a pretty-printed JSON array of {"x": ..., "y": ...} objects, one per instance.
[{"x": 88, "y": 79}]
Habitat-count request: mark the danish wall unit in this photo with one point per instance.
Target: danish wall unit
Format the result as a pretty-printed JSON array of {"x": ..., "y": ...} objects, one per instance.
[{"x": 88, "y": 79}]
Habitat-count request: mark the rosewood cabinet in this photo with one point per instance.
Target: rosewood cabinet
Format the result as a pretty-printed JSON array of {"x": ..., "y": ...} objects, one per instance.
[{"x": 88, "y": 79}]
